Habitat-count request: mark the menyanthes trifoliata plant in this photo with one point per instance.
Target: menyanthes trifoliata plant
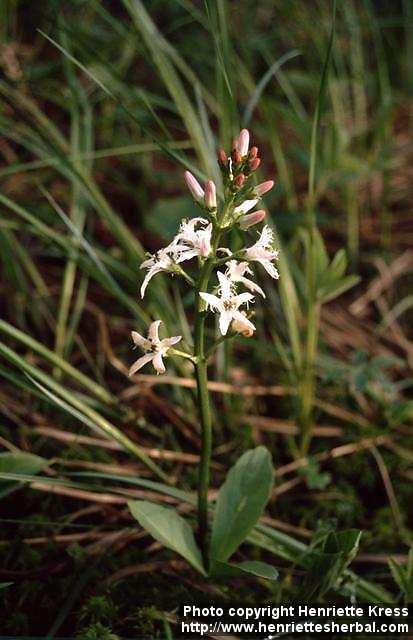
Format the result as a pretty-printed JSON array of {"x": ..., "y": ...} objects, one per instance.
[{"x": 224, "y": 287}]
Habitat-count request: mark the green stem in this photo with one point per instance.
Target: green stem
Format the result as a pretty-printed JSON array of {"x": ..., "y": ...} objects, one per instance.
[
  {"x": 204, "y": 415},
  {"x": 203, "y": 403}
]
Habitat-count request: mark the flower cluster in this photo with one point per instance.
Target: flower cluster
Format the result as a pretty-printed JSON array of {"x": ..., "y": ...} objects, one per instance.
[{"x": 200, "y": 238}]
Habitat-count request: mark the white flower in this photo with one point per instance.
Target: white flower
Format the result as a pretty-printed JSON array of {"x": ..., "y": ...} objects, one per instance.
[
  {"x": 235, "y": 273},
  {"x": 160, "y": 261},
  {"x": 191, "y": 242},
  {"x": 263, "y": 252},
  {"x": 246, "y": 206},
  {"x": 187, "y": 244},
  {"x": 154, "y": 347},
  {"x": 227, "y": 305}
]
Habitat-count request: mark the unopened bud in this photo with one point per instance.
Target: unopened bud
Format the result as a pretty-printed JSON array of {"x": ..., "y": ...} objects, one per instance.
[
  {"x": 245, "y": 206},
  {"x": 262, "y": 188},
  {"x": 194, "y": 186},
  {"x": 253, "y": 153},
  {"x": 236, "y": 156},
  {"x": 242, "y": 325},
  {"x": 243, "y": 142},
  {"x": 252, "y": 218},
  {"x": 210, "y": 195},
  {"x": 239, "y": 180},
  {"x": 255, "y": 163},
  {"x": 222, "y": 158}
]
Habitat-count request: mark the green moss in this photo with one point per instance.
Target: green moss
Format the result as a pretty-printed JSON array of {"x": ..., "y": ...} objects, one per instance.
[{"x": 97, "y": 631}]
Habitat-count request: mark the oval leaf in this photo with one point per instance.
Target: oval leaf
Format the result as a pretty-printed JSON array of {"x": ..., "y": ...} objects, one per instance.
[
  {"x": 18, "y": 463},
  {"x": 253, "y": 568},
  {"x": 169, "y": 528},
  {"x": 21, "y": 463},
  {"x": 241, "y": 501}
]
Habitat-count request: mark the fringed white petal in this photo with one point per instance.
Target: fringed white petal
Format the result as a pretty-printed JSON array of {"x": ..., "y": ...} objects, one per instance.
[
  {"x": 212, "y": 301},
  {"x": 153, "y": 331},
  {"x": 140, "y": 341},
  {"x": 167, "y": 343},
  {"x": 158, "y": 363},
  {"x": 224, "y": 321},
  {"x": 140, "y": 363}
]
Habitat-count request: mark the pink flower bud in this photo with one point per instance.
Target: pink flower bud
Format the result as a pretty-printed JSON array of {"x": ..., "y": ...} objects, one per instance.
[
  {"x": 210, "y": 195},
  {"x": 262, "y": 188},
  {"x": 236, "y": 156},
  {"x": 239, "y": 180},
  {"x": 194, "y": 186},
  {"x": 243, "y": 325},
  {"x": 253, "y": 153},
  {"x": 243, "y": 142},
  {"x": 255, "y": 163},
  {"x": 222, "y": 158},
  {"x": 252, "y": 218}
]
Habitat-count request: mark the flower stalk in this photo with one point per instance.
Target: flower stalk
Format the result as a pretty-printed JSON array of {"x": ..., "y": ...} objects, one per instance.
[
  {"x": 199, "y": 240},
  {"x": 205, "y": 419}
]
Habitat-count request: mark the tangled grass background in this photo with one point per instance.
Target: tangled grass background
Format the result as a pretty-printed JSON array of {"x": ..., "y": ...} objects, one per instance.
[{"x": 104, "y": 106}]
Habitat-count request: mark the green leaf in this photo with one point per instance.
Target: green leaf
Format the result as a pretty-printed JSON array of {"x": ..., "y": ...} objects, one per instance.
[
  {"x": 284, "y": 546},
  {"x": 152, "y": 485},
  {"x": 166, "y": 214},
  {"x": 322, "y": 259},
  {"x": 259, "y": 569},
  {"x": 19, "y": 463},
  {"x": 335, "y": 289},
  {"x": 62, "y": 395},
  {"x": 400, "y": 413},
  {"x": 250, "y": 567},
  {"x": 290, "y": 304},
  {"x": 403, "y": 576},
  {"x": 314, "y": 477},
  {"x": 241, "y": 501},
  {"x": 66, "y": 367},
  {"x": 338, "y": 264},
  {"x": 328, "y": 561},
  {"x": 165, "y": 62},
  {"x": 169, "y": 528}
]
